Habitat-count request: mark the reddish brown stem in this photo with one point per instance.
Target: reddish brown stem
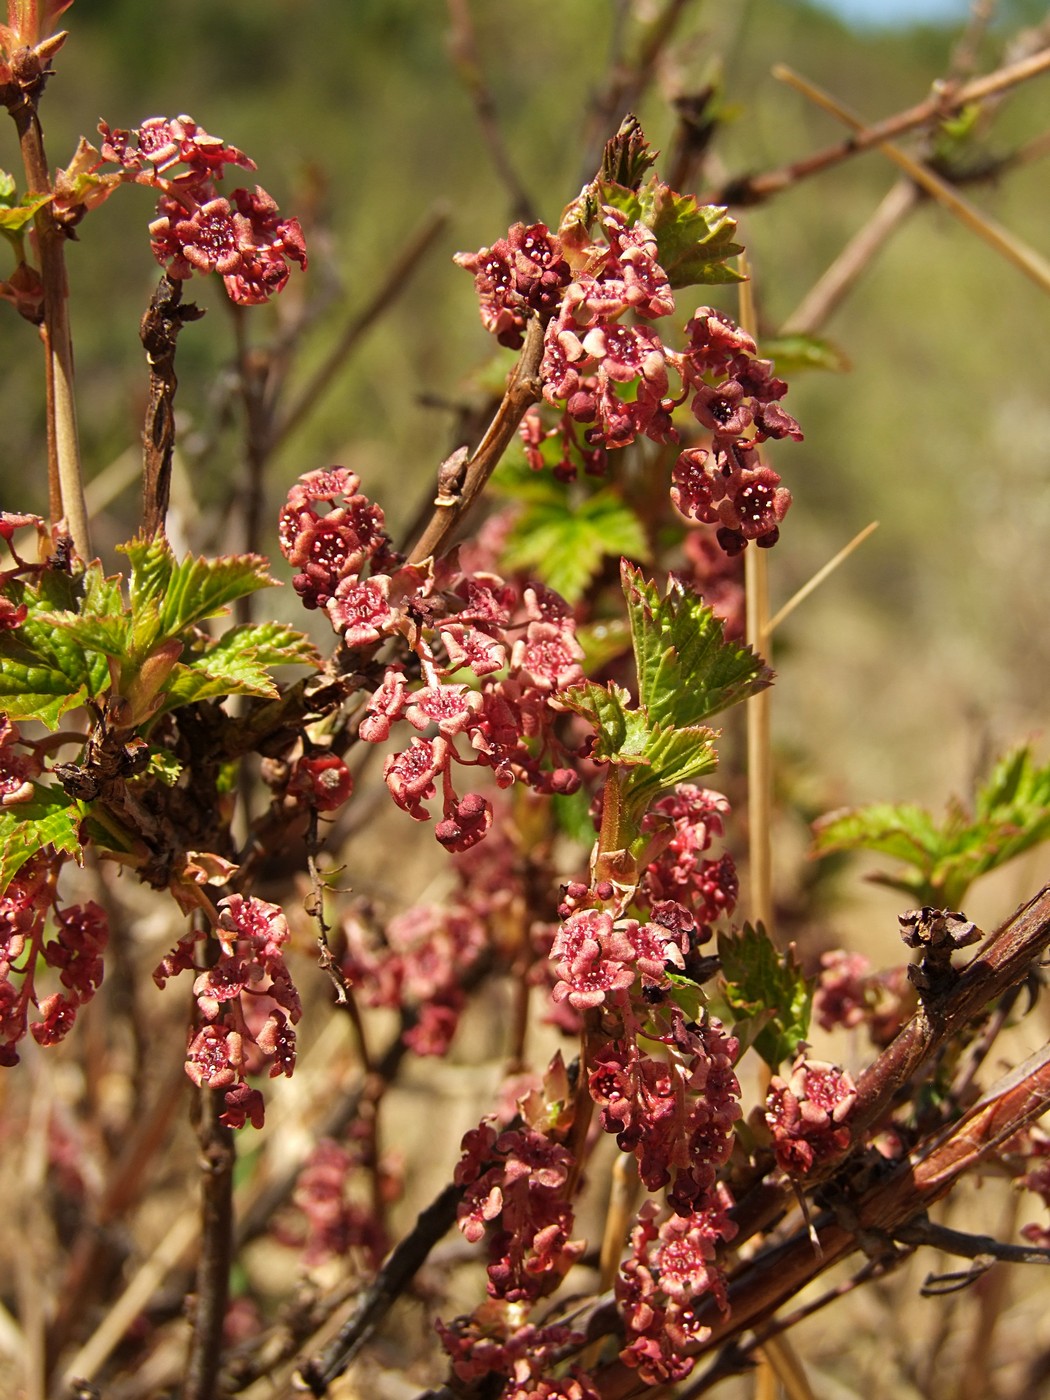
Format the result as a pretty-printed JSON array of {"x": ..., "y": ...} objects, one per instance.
[
  {"x": 65, "y": 477},
  {"x": 456, "y": 497}
]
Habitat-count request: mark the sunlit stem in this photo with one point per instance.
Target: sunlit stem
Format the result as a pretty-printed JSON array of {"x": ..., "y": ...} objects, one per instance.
[
  {"x": 62, "y": 438},
  {"x": 759, "y": 759}
]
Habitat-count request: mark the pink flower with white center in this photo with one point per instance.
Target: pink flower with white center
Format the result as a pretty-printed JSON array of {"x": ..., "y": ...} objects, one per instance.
[
  {"x": 162, "y": 142},
  {"x": 450, "y": 707},
  {"x": 362, "y": 612},
  {"x": 210, "y": 239},
  {"x": 411, "y": 775},
  {"x": 807, "y": 1114},
  {"x": 593, "y": 959},
  {"x": 550, "y": 654},
  {"x": 468, "y": 646},
  {"x": 215, "y": 1057},
  {"x": 628, "y": 352},
  {"x": 263, "y": 925}
]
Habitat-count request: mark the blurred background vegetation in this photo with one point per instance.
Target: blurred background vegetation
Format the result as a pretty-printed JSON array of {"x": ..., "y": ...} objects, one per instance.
[{"x": 929, "y": 646}]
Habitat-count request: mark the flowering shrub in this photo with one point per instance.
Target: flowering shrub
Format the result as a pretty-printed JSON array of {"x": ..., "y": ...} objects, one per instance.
[{"x": 557, "y": 740}]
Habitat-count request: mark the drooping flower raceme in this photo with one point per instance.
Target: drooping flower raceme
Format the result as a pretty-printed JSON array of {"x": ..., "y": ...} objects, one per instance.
[
  {"x": 614, "y": 377},
  {"x": 489, "y": 657},
  {"x": 243, "y": 237},
  {"x": 247, "y": 1004}
]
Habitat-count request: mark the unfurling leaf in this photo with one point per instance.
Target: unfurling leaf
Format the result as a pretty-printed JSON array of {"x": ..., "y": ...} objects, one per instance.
[{"x": 768, "y": 996}]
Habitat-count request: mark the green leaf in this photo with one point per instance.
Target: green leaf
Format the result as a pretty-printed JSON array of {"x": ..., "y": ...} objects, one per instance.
[
  {"x": 14, "y": 217},
  {"x": 100, "y": 620},
  {"x": 187, "y": 593},
  {"x": 687, "y": 671},
  {"x": 670, "y": 757},
  {"x": 694, "y": 242},
  {"x": 566, "y": 544},
  {"x": 798, "y": 352},
  {"x": 237, "y": 664},
  {"x": 1011, "y": 815},
  {"x": 903, "y": 831},
  {"x": 44, "y": 669},
  {"x": 51, "y": 818},
  {"x": 622, "y": 731},
  {"x": 767, "y": 986}
]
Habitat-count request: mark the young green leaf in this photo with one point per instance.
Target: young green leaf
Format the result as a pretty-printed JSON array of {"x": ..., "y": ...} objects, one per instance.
[
  {"x": 237, "y": 664},
  {"x": 44, "y": 669},
  {"x": 1011, "y": 815},
  {"x": 763, "y": 984},
  {"x": 694, "y": 242},
  {"x": 687, "y": 671},
  {"x": 50, "y": 818},
  {"x": 566, "y": 544}
]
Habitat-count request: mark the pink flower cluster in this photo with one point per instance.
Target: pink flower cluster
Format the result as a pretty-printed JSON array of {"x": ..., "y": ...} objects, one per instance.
[
  {"x": 807, "y": 1114},
  {"x": 514, "y": 1192},
  {"x": 607, "y": 368},
  {"x": 1036, "y": 1145},
  {"x": 690, "y": 818},
  {"x": 598, "y": 959},
  {"x": 671, "y": 1269},
  {"x": 849, "y": 994},
  {"x": 74, "y": 950},
  {"x": 417, "y": 968},
  {"x": 493, "y": 1340},
  {"x": 247, "y": 1004},
  {"x": 675, "y": 1112},
  {"x": 519, "y": 275},
  {"x": 735, "y": 397},
  {"x": 337, "y": 1225},
  {"x": 243, "y": 238},
  {"x": 519, "y": 649}
]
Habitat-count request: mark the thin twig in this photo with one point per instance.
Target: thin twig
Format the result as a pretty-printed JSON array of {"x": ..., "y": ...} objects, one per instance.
[
  {"x": 1007, "y": 244},
  {"x": 461, "y": 489},
  {"x": 164, "y": 318},
  {"x": 64, "y": 465},
  {"x": 390, "y": 1282},
  {"x": 217, "y": 1159},
  {"x": 628, "y": 82},
  {"x": 392, "y": 286},
  {"x": 753, "y": 189},
  {"x": 464, "y": 50},
  {"x": 842, "y": 275},
  {"x": 817, "y": 579}
]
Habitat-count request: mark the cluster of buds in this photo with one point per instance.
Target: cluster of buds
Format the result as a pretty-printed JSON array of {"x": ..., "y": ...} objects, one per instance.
[
  {"x": 807, "y": 1114},
  {"x": 73, "y": 948},
  {"x": 243, "y": 238},
  {"x": 247, "y": 1004},
  {"x": 848, "y": 993},
  {"x": 669, "y": 1273},
  {"x": 494, "y": 1341},
  {"x": 335, "y": 1224}
]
